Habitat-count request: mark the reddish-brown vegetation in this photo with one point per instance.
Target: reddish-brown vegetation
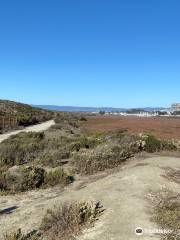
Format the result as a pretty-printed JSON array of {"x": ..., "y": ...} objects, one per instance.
[{"x": 162, "y": 127}]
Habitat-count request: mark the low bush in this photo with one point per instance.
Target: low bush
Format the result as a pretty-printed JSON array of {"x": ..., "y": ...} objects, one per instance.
[
  {"x": 67, "y": 220},
  {"x": 168, "y": 145},
  {"x": 83, "y": 118},
  {"x": 57, "y": 177},
  {"x": 28, "y": 178},
  {"x": 54, "y": 158},
  {"x": 21, "y": 148},
  {"x": 35, "y": 147},
  {"x": 100, "y": 158},
  {"x": 112, "y": 149},
  {"x": 152, "y": 144},
  {"x": 85, "y": 142},
  {"x": 32, "y": 178}
]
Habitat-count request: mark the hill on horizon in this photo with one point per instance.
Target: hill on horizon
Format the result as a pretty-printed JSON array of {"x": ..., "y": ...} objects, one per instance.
[
  {"x": 14, "y": 114},
  {"x": 92, "y": 109}
]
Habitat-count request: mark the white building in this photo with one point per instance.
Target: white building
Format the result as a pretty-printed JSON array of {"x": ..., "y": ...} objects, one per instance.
[{"x": 175, "y": 107}]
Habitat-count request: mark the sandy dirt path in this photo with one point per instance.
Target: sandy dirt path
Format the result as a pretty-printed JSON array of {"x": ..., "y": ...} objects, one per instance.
[
  {"x": 35, "y": 128},
  {"x": 122, "y": 194}
]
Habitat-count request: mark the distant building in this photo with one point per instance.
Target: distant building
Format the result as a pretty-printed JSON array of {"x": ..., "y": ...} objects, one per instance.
[{"x": 175, "y": 107}]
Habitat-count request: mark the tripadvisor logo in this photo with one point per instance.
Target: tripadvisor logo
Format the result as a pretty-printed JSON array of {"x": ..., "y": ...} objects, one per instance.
[{"x": 139, "y": 231}]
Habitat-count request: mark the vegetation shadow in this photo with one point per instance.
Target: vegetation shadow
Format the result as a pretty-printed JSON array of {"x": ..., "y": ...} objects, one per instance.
[{"x": 8, "y": 210}]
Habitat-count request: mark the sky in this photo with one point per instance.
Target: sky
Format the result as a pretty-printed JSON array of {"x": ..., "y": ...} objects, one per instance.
[{"x": 118, "y": 53}]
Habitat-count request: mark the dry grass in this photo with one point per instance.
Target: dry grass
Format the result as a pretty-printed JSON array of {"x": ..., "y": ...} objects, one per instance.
[
  {"x": 166, "y": 213},
  {"x": 67, "y": 220},
  {"x": 18, "y": 235},
  {"x": 172, "y": 175}
]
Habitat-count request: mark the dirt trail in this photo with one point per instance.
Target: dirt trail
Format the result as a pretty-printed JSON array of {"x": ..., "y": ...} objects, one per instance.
[
  {"x": 122, "y": 194},
  {"x": 35, "y": 128}
]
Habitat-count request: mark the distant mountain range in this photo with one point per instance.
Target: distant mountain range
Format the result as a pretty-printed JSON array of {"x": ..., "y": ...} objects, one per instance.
[{"x": 91, "y": 109}]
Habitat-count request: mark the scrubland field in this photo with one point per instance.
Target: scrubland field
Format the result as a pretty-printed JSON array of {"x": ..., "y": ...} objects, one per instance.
[
  {"x": 163, "y": 127},
  {"x": 91, "y": 178}
]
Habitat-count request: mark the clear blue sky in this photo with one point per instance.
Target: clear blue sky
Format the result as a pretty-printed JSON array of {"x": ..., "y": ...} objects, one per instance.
[{"x": 121, "y": 53}]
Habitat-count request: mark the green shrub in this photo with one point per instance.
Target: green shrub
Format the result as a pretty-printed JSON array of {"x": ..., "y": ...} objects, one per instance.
[
  {"x": 57, "y": 177},
  {"x": 168, "y": 145},
  {"x": 27, "y": 179},
  {"x": 85, "y": 142},
  {"x": 152, "y": 144},
  {"x": 100, "y": 158},
  {"x": 32, "y": 178},
  {"x": 82, "y": 118},
  {"x": 21, "y": 148}
]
